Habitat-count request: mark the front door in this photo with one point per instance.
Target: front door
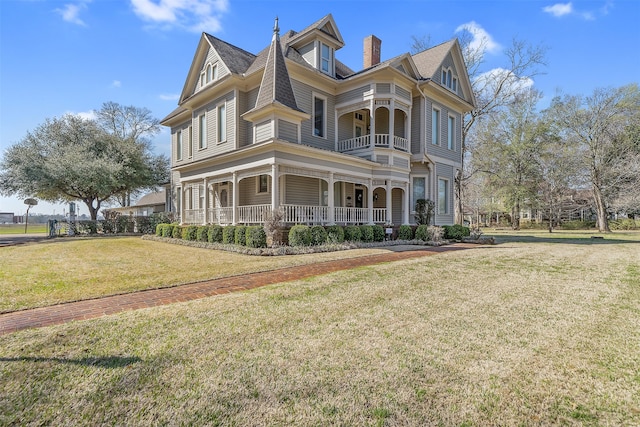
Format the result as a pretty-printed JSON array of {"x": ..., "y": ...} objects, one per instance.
[{"x": 359, "y": 198}]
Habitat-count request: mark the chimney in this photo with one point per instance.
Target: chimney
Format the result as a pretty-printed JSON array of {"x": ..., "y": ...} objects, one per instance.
[{"x": 371, "y": 54}]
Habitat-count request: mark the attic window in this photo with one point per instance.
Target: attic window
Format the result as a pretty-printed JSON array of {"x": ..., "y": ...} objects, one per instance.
[
  {"x": 449, "y": 80},
  {"x": 326, "y": 59},
  {"x": 209, "y": 74}
]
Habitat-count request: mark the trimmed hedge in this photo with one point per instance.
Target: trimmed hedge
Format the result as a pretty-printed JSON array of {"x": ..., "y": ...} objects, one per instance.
[
  {"x": 366, "y": 231},
  {"x": 190, "y": 232},
  {"x": 422, "y": 233},
  {"x": 352, "y": 233},
  {"x": 229, "y": 234},
  {"x": 256, "y": 237},
  {"x": 318, "y": 235},
  {"x": 335, "y": 234},
  {"x": 405, "y": 232},
  {"x": 214, "y": 234},
  {"x": 378, "y": 233},
  {"x": 176, "y": 232},
  {"x": 456, "y": 231},
  {"x": 300, "y": 235},
  {"x": 201, "y": 235},
  {"x": 241, "y": 235}
]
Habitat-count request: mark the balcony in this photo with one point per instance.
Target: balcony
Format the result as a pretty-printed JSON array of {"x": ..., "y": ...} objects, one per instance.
[{"x": 382, "y": 140}]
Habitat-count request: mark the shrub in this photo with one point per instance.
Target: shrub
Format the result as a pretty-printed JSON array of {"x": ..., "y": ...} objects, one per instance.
[
  {"x": 108, "y": 226},
  {"x": 160, "y": 229},
  {"x": 300, "y": 235},
  {"x": 176, "y": 232},
  {"x": 335, "y": 234},
  {"x": 456, "y": 231},
  {"x": 201, "y": 235},
  {"x": 352, "y": 233},
  {"x": 214, "y": 234},
  {"x": 378, "y": 233},
  {"x": 229, "y": 234},
  {"x": 318, "y": 235},
  {"x": 241, "y": 235},
  {"x": 190, "y": 232},
  {"x": 624, "y": 224},
  {"x": 143, "y": 224},
  {"x": 124, "y": 224},
  {"x": 88, "y": 227},
  {"x": 435, "y": 233},
  {"x": 422, "y": 233},
  {"x": 366, "y": 233},
  {"x": 167, "y": 231},
  {"x": 256, "y": 237},
  {"x": 405, "y": 232},
  {"x": 424, "y": 211}
]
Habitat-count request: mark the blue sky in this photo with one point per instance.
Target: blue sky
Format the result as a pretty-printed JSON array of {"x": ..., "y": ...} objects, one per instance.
[{"x": 70, "y": 56}]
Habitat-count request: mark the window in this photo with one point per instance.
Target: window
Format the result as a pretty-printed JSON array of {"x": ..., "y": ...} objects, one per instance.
[
  {"x": 209, "y": 74},
  {"x": 449, "y": 80},
  {"x": 263, "y": 184},
  {"x": 179, "y": 145},
  {"x": 201, "y": 197},
  {"x": 325, "y": 58},
  {"x": 222, "y": 123},
  {"x": 202, "y": 136},
  {"x": 443, "y": 196},
  {"x": 418, "y": 190},
  {"x": 451, "y": 133},
  {"x": 319, "y": 113},
  {"x": 190, "y": 141},
  {"x": 435, "y": 127},
  {"x": 178, "y": 199},
  {"x": 190, "y": 198}
]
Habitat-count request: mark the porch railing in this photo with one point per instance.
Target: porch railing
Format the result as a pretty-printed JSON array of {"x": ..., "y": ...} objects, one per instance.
[
  {"x": 300, "y": 214},
  {"x": 253, "y": 214},
  {"x": 381, "y": 140},
  {"x": 293, "y": 214}
]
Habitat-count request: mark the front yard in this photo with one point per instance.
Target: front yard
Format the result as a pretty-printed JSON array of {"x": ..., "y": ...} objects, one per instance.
[{"x": 527, "y": 332}]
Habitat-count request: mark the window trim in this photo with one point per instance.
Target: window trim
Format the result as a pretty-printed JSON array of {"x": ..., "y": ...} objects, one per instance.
[
  {"x": 451, "y": 132},
  {"x": 202, "y": 131},
  {"x": 323, "y": 98},
  {"x": 413, "y": 192},
  {"x": 221, "y": 129},
  {"x": 446, "y": 196},
  {"x": 190, "y": 139},
  {"x": 449, "y": 79},
  {"x": 209, "y": 73},
  {"x": 259, "y": 184},
  {"x": 436, "y": 131},
  {"x": 328, "y": 59},
  {"x": 179, "y": 147}
]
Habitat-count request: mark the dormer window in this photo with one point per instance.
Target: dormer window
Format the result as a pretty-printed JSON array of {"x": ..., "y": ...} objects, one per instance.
[
  {"x": 209, "y": 74},
  {"x": 449, "y": 80},
  {"x": 325, "y": 58}
]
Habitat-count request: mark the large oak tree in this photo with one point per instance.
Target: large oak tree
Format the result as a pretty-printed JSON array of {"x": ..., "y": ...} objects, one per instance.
[{"x": 71, "y": 158}]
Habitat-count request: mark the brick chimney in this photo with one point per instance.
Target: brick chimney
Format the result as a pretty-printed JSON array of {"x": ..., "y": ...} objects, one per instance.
[{"x": 371, "y": 54}]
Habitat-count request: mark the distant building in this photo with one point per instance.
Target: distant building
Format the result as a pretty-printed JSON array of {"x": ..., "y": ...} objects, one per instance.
[{"x": 9, "y": 218}]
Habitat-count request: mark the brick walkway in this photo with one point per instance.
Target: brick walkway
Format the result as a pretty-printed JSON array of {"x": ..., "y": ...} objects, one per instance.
[{"x": 89, "y": 309}]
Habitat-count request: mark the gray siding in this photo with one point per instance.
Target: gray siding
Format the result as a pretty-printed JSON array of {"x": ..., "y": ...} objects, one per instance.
[
  {"x": 352, "y": 95},
  {"x": 244, "y": 127},
  {"x": 446, "y": 172},
  {"x": 183, "y": 128},
  {"x": 345, "y": 126},
  {"x": 304, "y": 98},
  {"x": 214, "y": 148},
  {"x": 403, "y": 93},
  {"x": 309, "y": 54},
  {"x": 399, "y": 123},
  {"x": 249, "y": 192},
  {"x": 417, "y": 137},
  {"x": 250, "y": 102},
  {"x": 214, "y": 59},
  {"x": 400, "y": 162},
  {"x": 396, "y": 205},
  {"x": 383, "y": 87},
  {"x": 441, "y": 150},
  {"x": 264, "y": 131},
  {"x": 287, "y": 131},
  {"x": 302, "y": 190}
]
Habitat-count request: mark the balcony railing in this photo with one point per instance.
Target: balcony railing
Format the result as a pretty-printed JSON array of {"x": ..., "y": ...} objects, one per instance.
[
  {"x": 293, "y": 214},
  {"x": 380, "y": 140}
]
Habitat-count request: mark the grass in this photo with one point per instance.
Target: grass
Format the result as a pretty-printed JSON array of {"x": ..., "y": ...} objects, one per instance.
[
  {"x": 19, "y": 228},
  {"x": 71, "y": 269},
  {"x": 523, "y": 333}
]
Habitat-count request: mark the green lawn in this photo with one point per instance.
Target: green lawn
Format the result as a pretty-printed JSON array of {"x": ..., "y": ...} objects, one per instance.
[
  {"x": 19, "y": 228},
  {"x": 527, "y": 332}
]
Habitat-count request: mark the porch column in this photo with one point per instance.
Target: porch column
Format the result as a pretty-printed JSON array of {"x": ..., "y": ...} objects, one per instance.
[
  {"x": 389, "y": 210},
  {"x": 205, "y": 218},
  {"x": 372, "y": 130},
  {"x": 332, "y": 214},
  {"x": 275, "y": 188},
  {"x": 234, "y": 198},
  {"x": 392, "y": 125},
  {"x": 370, "y": 200},
  {"x": 407, "y": 204}
]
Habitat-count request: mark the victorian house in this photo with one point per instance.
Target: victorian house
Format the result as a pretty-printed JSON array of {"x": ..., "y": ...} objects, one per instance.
[{"x": 295, "y": 129}]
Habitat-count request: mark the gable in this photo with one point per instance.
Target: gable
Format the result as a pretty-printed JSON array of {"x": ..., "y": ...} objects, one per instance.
[{"x": 211, "y": 64}]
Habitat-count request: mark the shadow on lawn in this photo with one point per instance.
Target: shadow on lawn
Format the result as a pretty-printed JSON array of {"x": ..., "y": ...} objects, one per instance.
[
  {"x": 587, "y": 240},
  {"x": 98, "y": 362}
]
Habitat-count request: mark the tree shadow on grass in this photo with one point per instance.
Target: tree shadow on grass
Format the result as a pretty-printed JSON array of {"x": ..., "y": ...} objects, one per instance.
[
  {"x": 592, "y": 240},
  {"x": 98, "y": 362}
]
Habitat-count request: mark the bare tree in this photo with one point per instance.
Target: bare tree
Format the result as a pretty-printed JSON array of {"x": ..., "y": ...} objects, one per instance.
[{"x": 598, "y": 124}]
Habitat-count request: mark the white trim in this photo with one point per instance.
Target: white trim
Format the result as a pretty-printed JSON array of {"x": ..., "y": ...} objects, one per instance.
[
  {"x": 447, "y": 195},
  {"x": 439, "y": 123},
  {"x": 451, "y": 132},
  {"x": 221, "y": 131},
  {"x": 315, "y": 95},
  {"x": 202, "y": 136}
]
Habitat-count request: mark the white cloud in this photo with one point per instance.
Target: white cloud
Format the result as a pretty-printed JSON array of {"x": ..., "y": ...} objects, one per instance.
[
  {"x": 192, "y": 15},
  {"x": 487, "y": 82},
  {"x": 169, "y": 96},
  {"x": 559, "y": 9},
  {"x": 87, "y": 115},
  {"x": 116, "y": 83},
  {"x": 481, "y": 40},
  {"x": 71, "y": 12}
]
